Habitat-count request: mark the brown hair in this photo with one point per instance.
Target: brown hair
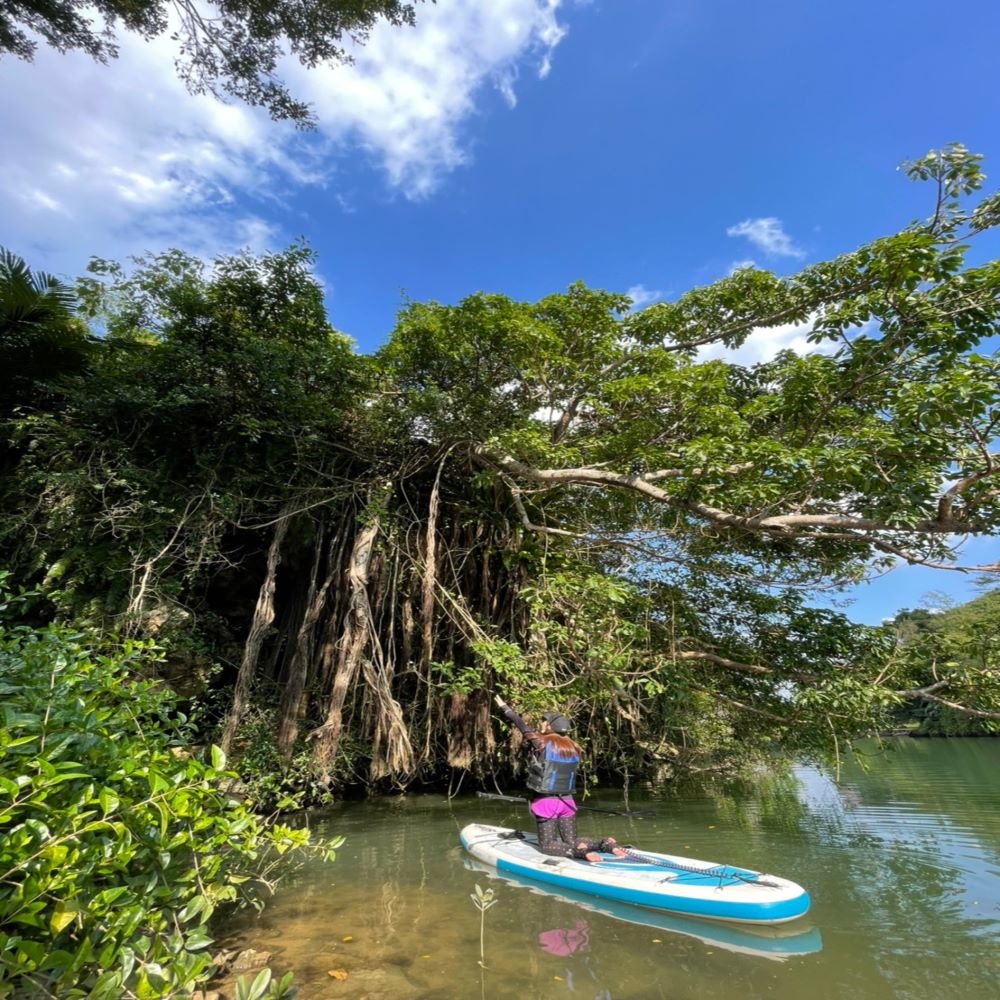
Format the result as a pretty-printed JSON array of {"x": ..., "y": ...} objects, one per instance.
[{"x": 561, "y": 746}]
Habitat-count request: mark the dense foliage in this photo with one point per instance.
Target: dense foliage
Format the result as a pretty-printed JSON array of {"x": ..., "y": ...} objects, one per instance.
[
  {"x": 231, "y": 48},
  {"x": 560, "y": 500},
  {"x": 119, "y": 843}
]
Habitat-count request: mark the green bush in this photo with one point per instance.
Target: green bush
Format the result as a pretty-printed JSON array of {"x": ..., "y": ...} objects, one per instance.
[
  {"x": 118, "y": 843},
  {"x": 272, "y": 782}
]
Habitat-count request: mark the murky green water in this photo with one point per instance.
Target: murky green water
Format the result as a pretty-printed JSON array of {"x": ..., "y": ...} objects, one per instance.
[{"x": 902, "y": 862}]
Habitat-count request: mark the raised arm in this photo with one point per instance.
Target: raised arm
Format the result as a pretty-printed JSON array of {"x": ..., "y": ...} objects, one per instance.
[{"x": 532, "y": 735}]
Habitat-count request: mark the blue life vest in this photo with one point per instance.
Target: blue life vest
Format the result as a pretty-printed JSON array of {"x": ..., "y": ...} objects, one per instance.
[{"x": 551, "y": 774}]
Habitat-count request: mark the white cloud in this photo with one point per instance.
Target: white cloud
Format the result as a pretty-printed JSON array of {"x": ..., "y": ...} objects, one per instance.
[
  {"x": 116, "y": 159},
  {"x": 409, "y": 92},
  {"x": 642, "y": 296},
  {"x": 769, "y": 235},
  {"x": 119, "y": 159},
  {"x": 505, "y": 84},
  {"x": 764, "y": 343}
]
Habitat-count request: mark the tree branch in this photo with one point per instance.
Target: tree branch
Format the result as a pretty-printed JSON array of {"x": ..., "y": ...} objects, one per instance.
[
  {"x": 781, "y": 523},
  {"x": 743, "y": 668}
]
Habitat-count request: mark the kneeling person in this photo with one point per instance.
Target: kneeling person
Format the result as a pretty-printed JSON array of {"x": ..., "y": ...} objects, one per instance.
[{"x": 552, "y": 776}]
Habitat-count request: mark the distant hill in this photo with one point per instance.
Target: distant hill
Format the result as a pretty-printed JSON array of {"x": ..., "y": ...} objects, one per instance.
[
  {"x": 981, "y": 614},
  {"x": 969, "y": 625}
]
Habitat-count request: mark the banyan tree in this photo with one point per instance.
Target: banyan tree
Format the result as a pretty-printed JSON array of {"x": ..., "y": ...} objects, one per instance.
[{"x": 568, "y": 501}]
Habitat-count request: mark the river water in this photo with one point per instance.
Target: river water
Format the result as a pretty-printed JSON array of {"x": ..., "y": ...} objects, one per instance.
[{"x": 901, "y": 858}]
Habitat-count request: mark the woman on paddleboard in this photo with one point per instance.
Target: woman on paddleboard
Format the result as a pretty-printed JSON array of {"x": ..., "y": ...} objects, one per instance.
[{"x": 551, "y": 776}]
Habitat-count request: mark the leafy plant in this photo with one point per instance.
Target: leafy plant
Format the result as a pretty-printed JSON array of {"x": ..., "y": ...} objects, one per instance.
[
  {"x": 262, "y": 987},
  {"x": 482, "y": 900},
  {"x": 118, "y": 846},
  {"x": 40, "y": 340},
  {"x": 273, "y": 781}
]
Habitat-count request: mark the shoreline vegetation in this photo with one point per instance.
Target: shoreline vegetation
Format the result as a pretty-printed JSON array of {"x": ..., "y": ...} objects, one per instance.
[
  {"x": 119, "y": 846},
  {"x": 916, "y": 734},
  {"x": 224, "y": 527}
]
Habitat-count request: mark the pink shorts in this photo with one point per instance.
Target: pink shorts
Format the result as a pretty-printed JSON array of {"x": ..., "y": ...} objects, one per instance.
[{"x": 553, "y": 808}]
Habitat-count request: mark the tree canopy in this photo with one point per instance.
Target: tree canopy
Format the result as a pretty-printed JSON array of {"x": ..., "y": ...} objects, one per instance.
[
  {"x": 561, "y": 500},
  {"x": 226, "y": 49}
]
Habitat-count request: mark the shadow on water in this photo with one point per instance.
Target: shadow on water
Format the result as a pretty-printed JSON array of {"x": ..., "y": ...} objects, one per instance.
[{"x": 902, "y": 862}]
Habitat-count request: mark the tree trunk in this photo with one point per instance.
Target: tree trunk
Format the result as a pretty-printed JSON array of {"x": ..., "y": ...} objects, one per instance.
[
  {"x": 355, "y": 637},
  {"x": 262, "y": 617},
  {"x": 461, "y": 732},
  {"x": 430, "y": 576},
  {"x": 298, "y": 670}
]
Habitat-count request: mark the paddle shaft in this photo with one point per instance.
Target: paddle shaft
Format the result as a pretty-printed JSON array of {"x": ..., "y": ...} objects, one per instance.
[
  {"x": 641, "y": 813},
  {"x": 711, "y": 873}
]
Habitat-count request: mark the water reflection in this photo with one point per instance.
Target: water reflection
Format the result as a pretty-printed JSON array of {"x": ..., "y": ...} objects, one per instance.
[
  {"x": 902, "y": 862},
  {"x": 914, "y": 837},
  {"x": 565, "y": 940}
]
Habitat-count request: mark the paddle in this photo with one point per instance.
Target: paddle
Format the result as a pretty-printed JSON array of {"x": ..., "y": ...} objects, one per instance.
[
  {"x": 635, "y": 813},
  {"x": 710, "y": 872}
]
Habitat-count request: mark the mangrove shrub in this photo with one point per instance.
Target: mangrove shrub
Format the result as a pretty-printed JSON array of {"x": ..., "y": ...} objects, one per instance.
[{"x": 119, "y": 843}]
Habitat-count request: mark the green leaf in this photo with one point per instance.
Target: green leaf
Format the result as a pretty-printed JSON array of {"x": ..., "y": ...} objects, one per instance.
[
  {"x": 108, "y": 800},
  {"x": 64, "y": 914},
  {"x": 127, "y": 959}
]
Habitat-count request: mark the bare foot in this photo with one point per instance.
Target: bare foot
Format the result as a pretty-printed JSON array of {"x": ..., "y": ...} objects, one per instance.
[
  {"x": 593, "y": 857},
  {"x": 618, "y": 852}
]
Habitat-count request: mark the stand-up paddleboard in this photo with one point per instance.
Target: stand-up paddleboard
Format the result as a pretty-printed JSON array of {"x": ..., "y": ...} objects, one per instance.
[
  {"x": 777, "y": 942},
  {"x": 645, "y": 878}
]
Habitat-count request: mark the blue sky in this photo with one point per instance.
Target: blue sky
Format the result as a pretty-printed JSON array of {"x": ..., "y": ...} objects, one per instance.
[{"x": 519, "y": 145}]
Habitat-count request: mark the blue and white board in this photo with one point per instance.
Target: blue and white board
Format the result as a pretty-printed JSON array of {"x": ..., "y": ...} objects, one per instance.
[
  {"x": 693, "y": 888},
  {"x": 777, "y": 942}
]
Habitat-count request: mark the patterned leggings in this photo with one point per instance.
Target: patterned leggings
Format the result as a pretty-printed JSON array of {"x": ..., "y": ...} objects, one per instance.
[{"x": 558, "y": 836}]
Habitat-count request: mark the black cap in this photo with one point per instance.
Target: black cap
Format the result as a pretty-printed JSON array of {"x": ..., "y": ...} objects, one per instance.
[{"x": 557, "y": 723}]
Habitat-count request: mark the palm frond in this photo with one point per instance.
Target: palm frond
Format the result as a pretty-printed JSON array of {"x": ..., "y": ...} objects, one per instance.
[{"x": 30, "y": 298}]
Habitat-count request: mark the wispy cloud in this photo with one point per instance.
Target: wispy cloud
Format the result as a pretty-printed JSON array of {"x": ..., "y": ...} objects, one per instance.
[
  {"x": 769, "y": 235},
  {"x": 114, "y": 160},
  {"x": 117, "y": 159},
  {"x": 642, "y": 296}
]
